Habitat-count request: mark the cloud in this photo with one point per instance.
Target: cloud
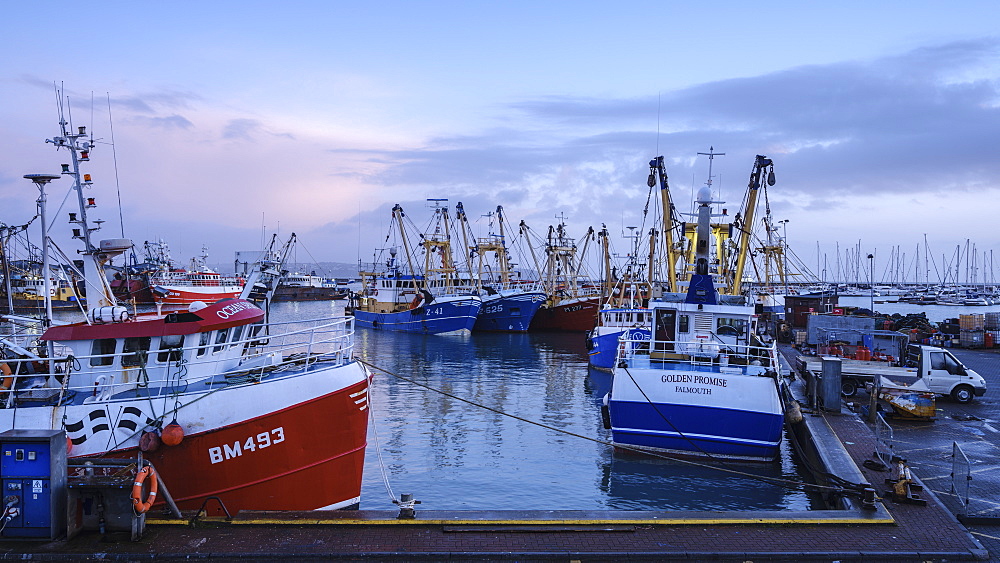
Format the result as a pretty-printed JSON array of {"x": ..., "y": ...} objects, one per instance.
[
  {"x": 166, "y": 122},
  {"x": 249, "y": 129},
  {"x": 884, "y": 135},
  {"x": 898, "y": 124},
  {"x": 240, "y": 129}
]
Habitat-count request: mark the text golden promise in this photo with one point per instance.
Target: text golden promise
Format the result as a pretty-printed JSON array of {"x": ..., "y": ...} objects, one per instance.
[{"x": 697, "y": 379}]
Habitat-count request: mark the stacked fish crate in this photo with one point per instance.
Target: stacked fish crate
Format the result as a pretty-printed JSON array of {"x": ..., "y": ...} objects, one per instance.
[
  {"x": 972, "y": 333},
  {"x": 992, "y": 326}
]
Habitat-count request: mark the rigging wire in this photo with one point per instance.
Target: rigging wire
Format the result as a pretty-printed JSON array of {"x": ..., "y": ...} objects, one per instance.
[{"x": 114, "y": 158}]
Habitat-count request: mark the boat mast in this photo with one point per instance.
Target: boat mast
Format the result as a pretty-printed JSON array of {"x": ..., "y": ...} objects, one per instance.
[
  {"x": 578, "y": 265},
  {"x": 8, "y": 288},
  {"x": 441, "y": 243},
  {"x": 761, "y": 163},
  {"x": 463, "y": 222},
  {"x": 658, "y": 174},
  {"x": 609, "y": 283},
  {"x": 501, "y": 251},
  {"x": 397, "y": 213},
  {"x": 79, "y": 146},
  {"x": 525, "y": 231}
]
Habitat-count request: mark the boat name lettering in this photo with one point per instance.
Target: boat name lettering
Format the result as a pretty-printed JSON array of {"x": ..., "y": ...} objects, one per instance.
[
  {"x": 230, "y": 310},
  {"x": 717, "y": 381},
  {"x": 695, "y": 390},
  {"x": 676, "y": 378},
  {"x": 572, "y": 308},
  {"x": 688, "y": 378},
  {"x": 251, "y": 444}
]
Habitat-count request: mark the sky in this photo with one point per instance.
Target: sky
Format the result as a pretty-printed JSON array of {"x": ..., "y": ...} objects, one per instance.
[{"x": 232, "y": 121}]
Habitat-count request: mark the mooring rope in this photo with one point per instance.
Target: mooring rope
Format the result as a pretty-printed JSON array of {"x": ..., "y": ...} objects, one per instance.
[{"x": 378, "y": 448}]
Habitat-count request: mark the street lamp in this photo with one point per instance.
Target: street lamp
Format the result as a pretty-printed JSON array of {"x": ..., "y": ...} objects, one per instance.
[
  {"x": 871, "y": 285},
  {"x": 40, "y": 180}
]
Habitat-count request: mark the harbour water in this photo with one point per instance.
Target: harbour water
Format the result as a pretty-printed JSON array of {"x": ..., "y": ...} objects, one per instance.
[
  {"x": 934, "y": 313},
  {"x": 452, "y": 455}
]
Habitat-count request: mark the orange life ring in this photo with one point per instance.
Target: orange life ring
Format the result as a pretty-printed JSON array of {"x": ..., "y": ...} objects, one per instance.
[
  {"x": 416, "y": 301},
  {"x": 140, "y": 477},
  {"x": 8, "y": 380}
]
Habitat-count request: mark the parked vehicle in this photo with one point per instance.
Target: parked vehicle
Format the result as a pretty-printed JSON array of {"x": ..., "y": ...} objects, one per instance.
[{"x": 925, "y": 368}]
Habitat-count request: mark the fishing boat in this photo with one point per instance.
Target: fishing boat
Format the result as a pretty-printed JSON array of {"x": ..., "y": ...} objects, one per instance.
[
  {"x": 26, "y": 292},
  {"x": 509, "y": 304},
  {"x": 625, "y": 312},
  {"x": 704, "y": 383},
  {"x": 572, "y": 297},
  {"x": 220, "y": 400},
  {"x": 403, "y": 298},
  {"x": 297, "y": 286},
  {"x": 197, "y": 282}
]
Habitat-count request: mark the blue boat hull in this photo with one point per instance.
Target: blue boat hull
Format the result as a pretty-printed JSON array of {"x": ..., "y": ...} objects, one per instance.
[
  {"x": 509, "y": 313},
  {"x": 440, "y": 317},
  {"x": 603, "y": 348},
  {"x": 698, "y": 430}
]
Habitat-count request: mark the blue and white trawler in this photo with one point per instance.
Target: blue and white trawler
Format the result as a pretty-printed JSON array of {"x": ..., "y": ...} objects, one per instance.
[{"x": 702, "y": 382}]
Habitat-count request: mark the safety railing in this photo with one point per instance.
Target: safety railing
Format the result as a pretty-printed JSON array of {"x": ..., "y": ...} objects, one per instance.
[
  {"x": 884, "y": 441},
  {"x": 961, "y": 477},
  {"x": 634, "y": 346},
  {"x": 158, "y": 367}
]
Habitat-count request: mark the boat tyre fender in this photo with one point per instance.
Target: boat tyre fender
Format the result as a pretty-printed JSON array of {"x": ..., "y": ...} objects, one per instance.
[
  {"x": 606, "y": 417},
  {"x": 140, "y": 478}
]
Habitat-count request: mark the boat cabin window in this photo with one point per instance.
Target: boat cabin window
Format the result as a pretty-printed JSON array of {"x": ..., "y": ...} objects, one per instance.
[
  {"x": 203, "y": 340},
  {"x": 237, "y": 334},
  {"x": 104, "y": 347},
  {"x": 134, "y": 351},
  {"x": 220, "y": 340},
  {"x": 684, "y": 323},
  {"x": 170, "y": 348},
  {"x": 731, "y": 327}
]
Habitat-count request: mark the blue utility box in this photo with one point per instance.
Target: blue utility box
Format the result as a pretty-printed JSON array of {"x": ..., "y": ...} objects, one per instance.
[{"x": 33, "y": 476}]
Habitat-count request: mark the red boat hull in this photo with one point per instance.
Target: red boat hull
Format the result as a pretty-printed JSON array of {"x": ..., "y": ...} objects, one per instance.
[
  {"x": 135, "y": 289},
  {"x": 574, "y": 316},
  {"x": 306, "y": 457}
]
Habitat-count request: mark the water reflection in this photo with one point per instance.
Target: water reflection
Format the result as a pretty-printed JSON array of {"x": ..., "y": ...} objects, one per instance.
[{"x": 636, "y": 481}]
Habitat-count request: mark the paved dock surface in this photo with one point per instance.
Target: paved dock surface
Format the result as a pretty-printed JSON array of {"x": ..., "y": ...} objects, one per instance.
[{"x": 905, "y": 532}]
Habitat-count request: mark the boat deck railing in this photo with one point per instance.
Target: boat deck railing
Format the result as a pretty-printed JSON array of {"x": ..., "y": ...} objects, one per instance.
[
  {"x": 184, "y": 282},
  {"x": 263, "y": 351},
  {"x": 696, "y": 355}
]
